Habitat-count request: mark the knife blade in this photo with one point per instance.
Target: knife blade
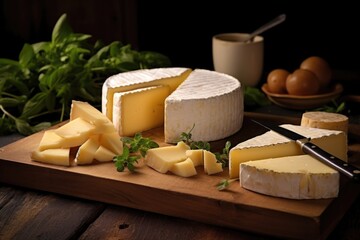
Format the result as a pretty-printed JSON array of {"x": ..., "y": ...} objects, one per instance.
[{"x": 314, "y": 150}]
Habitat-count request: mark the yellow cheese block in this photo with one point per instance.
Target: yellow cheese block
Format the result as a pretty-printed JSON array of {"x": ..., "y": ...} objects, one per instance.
[
  {"x": 133, "y": 80},
  {"x": 295, "y": 177},
  {"x": 139, "y": 110},
  {"x": 184, "y": 169},
  {"x": 51, "y": 140},
  {"x": 92, "y": 115},
  {"x": 273, "y": 145},
  {"x": 162, "y": 159},
  {"x": 112, "y": 142},
  {"x": 76, "y": 132},
  {"x": 52, "y": 156},
  {"x": 196, "y": 156},
  {"x": 86, "y": 152},
  {"x": 325, "y": 120},
  {"x": 211, "y": 166},
  {"x": 103, "y": 154}
]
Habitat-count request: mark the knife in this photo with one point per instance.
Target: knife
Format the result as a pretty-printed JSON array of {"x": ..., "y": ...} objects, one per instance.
[{"x": 315, "y": 151}]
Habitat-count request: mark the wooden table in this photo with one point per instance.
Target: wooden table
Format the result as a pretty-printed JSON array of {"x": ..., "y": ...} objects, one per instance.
[{"x": 30, "y": 214}]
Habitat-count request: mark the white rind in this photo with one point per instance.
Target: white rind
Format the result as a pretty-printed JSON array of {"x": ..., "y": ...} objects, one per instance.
[
  {"x": 136, "y": 77},
  {"x": 211, "y": 102},
  {"x": 296, "y": 177},
  {"x": 272, "y": 138}
]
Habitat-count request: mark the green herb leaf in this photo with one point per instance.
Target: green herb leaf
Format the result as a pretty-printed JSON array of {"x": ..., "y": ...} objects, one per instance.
[
  {"x": 26, "y": 55},
  {"x": 254, "y": 97},
  {"x": 225, "y": 183},
  {"x": 61, "y": 30},
  {"x": 133, "y": 149},
  {"x": 222, "y": 158}
]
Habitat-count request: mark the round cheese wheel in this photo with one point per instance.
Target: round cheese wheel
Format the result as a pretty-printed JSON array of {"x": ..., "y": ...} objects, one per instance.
[{"x": 325, "y": 120}]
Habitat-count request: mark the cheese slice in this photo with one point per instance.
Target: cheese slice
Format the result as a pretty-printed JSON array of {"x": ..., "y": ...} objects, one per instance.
[
  {"x": 162, "y": 159},
  {"x": 51, "y": 140},
  {"x": 133, "y": 80},
  {"x": 112, "y": 142},
  {"x": 211, "y": 101},
  {"x": 211, "y": 166},
  {"x": 196, "y": 156},
  {"x": 76, "y": 132},
  {"x": 325, "y": 120},
  {"x": 139, "y": 110},
  {"x": 295, "y": 177},
  {"x": 86, "y": 152},
  {"x": 273, "y": 145},
  {"x": 103, "y": 154},
  {"x": 184, "y": 169},
  {"x": 92, "y": 115},
  {"x": 52, "y": 156}
]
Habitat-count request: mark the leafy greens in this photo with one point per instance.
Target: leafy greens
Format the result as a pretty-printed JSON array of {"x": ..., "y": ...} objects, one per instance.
[{"x": 36, "y": 91}]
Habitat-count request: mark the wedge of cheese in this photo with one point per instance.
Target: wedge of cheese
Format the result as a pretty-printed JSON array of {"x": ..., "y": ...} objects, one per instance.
[
  {"x": 211, "y": 101},
  {"x": 86, "y": 152},
  {"x": 76, "y": 132},
  {"x": 139, "y": 110},
  {"x": 184, "y": 169},
  {"x": 162, "y": 159},
  {"x": 51, "y": 140},
  {"x": 90, "y": 114},
  {"x": 52, "y": 156},
  {"x": 211, "y": 165},
  {"x": 273, "y": 145},
  {"x": 196, "y": 156},
  {"x": 133, "y": 80},
  {"x": 295, "y": 177}
]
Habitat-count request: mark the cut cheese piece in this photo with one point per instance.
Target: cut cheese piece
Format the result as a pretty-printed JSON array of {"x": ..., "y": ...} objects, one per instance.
[
  {"x": 76, "y": 132},
  {"x": 139, "y": 110},
  {"x": 325, "y": 120},
  {"x": 92, "y": 115},
  {"x": 162, "y": 159},
  {"x": 211, "y": 166},
  {"x": 51, "y": 140},
  {"x": 86, "y": 152},
  {"x": 52, "y": 156},
  {"x": 132, "y": 80},
  {"x": 295, "y": 177},
  {"x": 103, "y": 154},
  {"x": 112, "y": 142},
  {"x": 196, "y": 156},
  {"x": 184, "y": 169},
  {"x": 211, "y": 101},
  {"x": 273, "y": 145}
]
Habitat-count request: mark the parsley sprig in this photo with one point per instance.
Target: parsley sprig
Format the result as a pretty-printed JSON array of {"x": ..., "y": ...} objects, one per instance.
[
  {"x": 133, "y": 149},
  {"x": 225, "y": 183},
  {"x": 222, "y": 157},
  {"x": 187, "y": 138}
]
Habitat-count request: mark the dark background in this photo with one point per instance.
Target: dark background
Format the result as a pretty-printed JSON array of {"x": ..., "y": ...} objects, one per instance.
[{"x": 183, "y": 30}]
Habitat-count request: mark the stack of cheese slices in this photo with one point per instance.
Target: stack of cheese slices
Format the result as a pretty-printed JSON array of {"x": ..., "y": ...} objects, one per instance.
[{"x": 176, "y": 98}]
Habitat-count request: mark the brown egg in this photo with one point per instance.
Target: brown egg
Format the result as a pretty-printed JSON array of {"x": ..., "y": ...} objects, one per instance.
[
  {"x": 276, "y": 81},
  {"x": 320, "y": 68},
  {"x": 302, "y": 82}
]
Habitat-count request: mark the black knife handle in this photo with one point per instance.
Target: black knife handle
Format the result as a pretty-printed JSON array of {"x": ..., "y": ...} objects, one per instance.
[{"x": 332, "y": 161}]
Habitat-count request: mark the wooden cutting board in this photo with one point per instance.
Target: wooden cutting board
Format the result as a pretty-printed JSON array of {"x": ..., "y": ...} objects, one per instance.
[{"x": 193, "y": 198}]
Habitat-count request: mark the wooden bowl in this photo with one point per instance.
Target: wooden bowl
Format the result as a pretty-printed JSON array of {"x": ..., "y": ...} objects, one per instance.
[{"x": 303, "y": 102}]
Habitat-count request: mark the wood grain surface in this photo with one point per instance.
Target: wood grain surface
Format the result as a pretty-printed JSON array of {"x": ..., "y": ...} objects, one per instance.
[{"x": 188, "y": 198}]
